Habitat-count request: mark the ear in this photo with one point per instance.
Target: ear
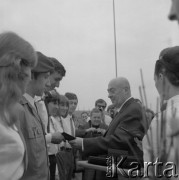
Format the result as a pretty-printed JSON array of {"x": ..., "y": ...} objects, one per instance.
[{"x": 161, "y": 76}]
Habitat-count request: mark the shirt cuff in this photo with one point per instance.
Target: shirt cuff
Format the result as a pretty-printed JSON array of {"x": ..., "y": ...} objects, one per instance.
[
  {"x": 48, "y": 137},
  {"x": 82, "y": 145}
]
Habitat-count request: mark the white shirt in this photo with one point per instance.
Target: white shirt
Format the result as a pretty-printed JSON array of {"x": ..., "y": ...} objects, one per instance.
[
  {"x": 55, "y": 126},
  {"x": 67, "y": 125},
  {"x": 107, "y": 119},
  {"x": 42, "y": 111},
  {"x": 11, "y": 153},
  {"x": 171, "y": 114}
]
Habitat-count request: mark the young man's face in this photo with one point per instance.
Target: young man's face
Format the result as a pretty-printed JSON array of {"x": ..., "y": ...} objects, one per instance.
[
  {"x": 84, "y": 117},
  {"x": 41, "y": 83},
  {"x": 174, "y": 10},
  {"x": 55, "y": 79},
  {"x": 72, "y": 106},
  {"x": 96, "y": 118},
  {"x": 101, "y": 106}
]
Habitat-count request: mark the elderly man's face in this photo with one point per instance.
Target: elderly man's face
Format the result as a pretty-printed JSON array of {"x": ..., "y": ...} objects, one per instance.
[
  {"x": 116, "y": 94},
  {"x": 174, "y": 11}
]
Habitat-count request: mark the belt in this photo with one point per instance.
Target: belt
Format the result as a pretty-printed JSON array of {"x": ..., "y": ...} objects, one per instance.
[{"x": 65, "y": 149}]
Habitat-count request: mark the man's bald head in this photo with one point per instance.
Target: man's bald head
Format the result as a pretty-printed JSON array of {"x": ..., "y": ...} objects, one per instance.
[
  {"x": 120, "y": 82},
  {"x": 119, "y": 91}
]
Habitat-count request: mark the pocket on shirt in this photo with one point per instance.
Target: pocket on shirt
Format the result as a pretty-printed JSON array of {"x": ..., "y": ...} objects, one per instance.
[{"x": 37, "y": 139}]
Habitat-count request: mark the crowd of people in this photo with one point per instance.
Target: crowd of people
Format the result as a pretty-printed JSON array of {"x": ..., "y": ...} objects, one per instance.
[{"x": 36, "y": 121}]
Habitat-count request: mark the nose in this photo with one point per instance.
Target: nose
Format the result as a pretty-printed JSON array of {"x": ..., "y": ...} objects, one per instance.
[
  {"x": 109, "y": 95},
  {"x": 172, "y": 14}
]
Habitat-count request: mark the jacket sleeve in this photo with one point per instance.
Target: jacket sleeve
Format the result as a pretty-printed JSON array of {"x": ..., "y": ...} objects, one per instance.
[{"x": 121, "y": 137}]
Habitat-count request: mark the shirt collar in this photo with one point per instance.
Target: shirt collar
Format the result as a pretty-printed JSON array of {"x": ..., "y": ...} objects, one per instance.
[
  {"x": 118, "y": 109},
  {"x": 30, "y": 99}
]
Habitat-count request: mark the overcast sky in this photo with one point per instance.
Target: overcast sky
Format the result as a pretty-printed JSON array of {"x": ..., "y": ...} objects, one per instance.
[{"x": 79, "y": 33}]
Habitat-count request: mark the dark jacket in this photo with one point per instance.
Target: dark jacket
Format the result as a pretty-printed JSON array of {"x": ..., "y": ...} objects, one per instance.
[{"x": 126, "y": 125}]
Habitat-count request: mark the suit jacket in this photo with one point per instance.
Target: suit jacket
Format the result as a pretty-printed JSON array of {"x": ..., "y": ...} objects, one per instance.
[
  {"x": 34, "y": 135},
  {"x": 120, "y": 134},
  {"x": 126, "y": 125}
]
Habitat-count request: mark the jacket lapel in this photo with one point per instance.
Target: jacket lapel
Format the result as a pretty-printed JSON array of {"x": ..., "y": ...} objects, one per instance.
[{"x": 116, "y": 118}]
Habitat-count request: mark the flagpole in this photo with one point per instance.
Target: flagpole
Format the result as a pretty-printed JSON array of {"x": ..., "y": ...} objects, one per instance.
[{"x": 115, "y": 47}]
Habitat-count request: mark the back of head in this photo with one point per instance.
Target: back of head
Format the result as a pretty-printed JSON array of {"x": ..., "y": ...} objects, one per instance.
[
  {"x": 52, "y": 96},
  {"x": 58, "y": 67},
  {"x": 122, "y": 83},
  {"x": 15, "y": 55},
  {"x": 168, "y": 64}
]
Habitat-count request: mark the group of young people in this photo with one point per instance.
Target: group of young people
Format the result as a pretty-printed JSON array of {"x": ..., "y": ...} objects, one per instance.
[{"x": 32, "y": 114}]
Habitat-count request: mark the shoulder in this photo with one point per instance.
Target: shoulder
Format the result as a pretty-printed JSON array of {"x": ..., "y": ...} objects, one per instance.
[{"x": 134, "y": 106}]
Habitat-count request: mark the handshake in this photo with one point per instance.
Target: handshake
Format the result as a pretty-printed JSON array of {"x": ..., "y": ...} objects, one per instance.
[
  {"x": 94, "y": 130},
  {"x": 57, "y": 138}
]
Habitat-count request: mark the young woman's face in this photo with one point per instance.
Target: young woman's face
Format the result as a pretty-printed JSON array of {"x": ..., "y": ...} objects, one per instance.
[
  {"x": 63, "y": 109},
  {"x": 53, "y": 108}
]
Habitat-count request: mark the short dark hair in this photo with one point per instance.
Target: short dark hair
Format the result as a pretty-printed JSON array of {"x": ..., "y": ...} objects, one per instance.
[
  {"x": 100, "y": 101},
  {"x": 168, "y": 64},
  {"x": 58, "y": 67},
  {"x": 71, "y": 96},
  {"x": 52, "y": 96}
]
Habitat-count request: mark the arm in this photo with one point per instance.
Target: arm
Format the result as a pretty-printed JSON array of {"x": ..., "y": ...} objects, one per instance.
[{"x": 120, "y": 134}]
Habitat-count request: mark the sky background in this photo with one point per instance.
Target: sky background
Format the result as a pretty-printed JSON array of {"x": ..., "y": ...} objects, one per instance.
[{"x": 80, "y": 34}]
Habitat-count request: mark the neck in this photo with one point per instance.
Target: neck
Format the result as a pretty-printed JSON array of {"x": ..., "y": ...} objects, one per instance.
[
  {"x": 31, "y": 93},
  {"x": 172, "y": 92}
]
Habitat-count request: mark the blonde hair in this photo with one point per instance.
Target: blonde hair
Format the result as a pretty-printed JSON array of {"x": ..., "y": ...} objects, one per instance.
[{"x": 15, "y": 54}]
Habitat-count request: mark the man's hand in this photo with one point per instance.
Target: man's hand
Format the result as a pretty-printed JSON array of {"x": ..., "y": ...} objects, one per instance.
[
  {"x": 77, "y": 143},
  {"x": 102, "y": 131},
  {"x": 92, "y": 129},
  {"x": 57, "y": 138}
]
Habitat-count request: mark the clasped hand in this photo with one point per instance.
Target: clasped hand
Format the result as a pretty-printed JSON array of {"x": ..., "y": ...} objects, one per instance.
[
  {"x": 57, "y": 138},
  {"x": 77, "y": 143}
]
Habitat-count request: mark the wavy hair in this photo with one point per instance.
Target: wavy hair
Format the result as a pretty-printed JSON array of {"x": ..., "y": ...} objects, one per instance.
[{"x": 15, "y": 54}]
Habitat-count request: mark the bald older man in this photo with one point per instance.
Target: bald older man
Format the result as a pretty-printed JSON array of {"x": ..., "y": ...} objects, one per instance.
[{"x": 125, "y": 129}]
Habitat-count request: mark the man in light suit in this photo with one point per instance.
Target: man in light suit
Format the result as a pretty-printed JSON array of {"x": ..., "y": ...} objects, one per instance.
[{"x": 125, "y": 129}]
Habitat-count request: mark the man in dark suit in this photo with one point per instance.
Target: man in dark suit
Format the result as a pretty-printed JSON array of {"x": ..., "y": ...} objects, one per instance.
[{"x": 125, "y": 130}]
